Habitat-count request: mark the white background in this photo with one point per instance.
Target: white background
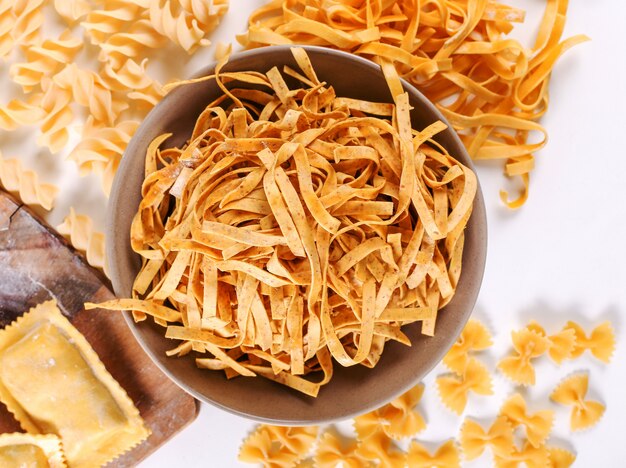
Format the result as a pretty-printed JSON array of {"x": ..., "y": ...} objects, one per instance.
[{"x": 561, "y": 257}]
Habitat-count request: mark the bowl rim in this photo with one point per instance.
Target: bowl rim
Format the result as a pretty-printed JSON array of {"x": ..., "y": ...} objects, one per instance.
[{"x": 478, "y": 213}]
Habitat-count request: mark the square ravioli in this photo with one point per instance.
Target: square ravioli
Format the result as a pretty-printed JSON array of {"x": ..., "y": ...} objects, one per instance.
[
  {"x": 31, "y": 451},
  {"x": 54, "y": 383}
]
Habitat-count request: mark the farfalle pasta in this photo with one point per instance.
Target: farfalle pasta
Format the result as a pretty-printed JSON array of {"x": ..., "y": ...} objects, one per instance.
[
  {"x": 380, "y": 449},
  {"x": 446, "y": 456},
  {"x": 332, "y": 451},
  {"x": 454, "y": 390},
  {"x": 474, "y": 439},
  {"x": 537, "y": 425},
  {"x": 562, "y": 344},
  {"x": 277, "y": 447},
  {"x": 600, "y": 342},
  {"x": 399, "y": 418},
  {"x": 474, "y": 337},
  {"x": 572, "y": 391},
  {"x": 528, "y": 345},
  {"x": 78, "y": 229},
  {"x": 560, "y": 458},
  {"x": 24, "y": 183},
  {"x": 529, "y": 455}
]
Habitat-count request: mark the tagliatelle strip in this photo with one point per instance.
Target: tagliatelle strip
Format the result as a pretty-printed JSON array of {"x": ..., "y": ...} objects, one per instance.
[
  {"x": 474, "y": 439},
  {"x": 290, "y": 239},
  {"x": 30, "y": 450},
  {"x": 601, "y": 341},
  {"x": 454, "y": 390},
  {"x": 572, "y": 391},
  {"x": 25, "y": 184},
  {"x": 528, "y": 345},
  {"x": 474, "y": 337},
  {"x": 490, "y": 87},
  {"x": 538, "y": 425},
  {"x": 446, "y": 456}
]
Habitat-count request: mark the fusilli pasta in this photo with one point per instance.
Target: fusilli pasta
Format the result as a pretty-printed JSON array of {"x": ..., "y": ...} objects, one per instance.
[
  {"x": 28, "y": 21},
  {"x": 17, "y": 180},
  {"x": 71, "y": 10},
  {"x": 17, "y": 113},
  {"x": 78, "y": 229},
  {"x": 58, "y": 115}
]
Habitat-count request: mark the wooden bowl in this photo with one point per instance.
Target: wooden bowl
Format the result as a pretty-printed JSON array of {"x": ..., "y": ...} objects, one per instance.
[{"x": 352, "y": 390}]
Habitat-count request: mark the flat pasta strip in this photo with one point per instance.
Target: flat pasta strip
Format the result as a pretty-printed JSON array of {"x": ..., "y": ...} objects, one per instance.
[{"x": 572, "y": 391}]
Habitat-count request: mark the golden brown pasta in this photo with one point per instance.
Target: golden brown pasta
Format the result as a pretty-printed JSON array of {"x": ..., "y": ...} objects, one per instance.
[
  {"x": 572, "y": 391},
  {"x": 25, "y": 184}
]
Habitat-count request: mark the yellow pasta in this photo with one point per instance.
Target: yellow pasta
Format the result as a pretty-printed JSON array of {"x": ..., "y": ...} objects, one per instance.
[
  {"x": 132, "y": 79},
  {"x": 399, "y": 418},
  {"x": 366, "y": 425},
  {"x": 276, "y": 447},
  {"x": 78, "y": 229},
  {"x": 58, "y": 115},
  {"x": 129, "y": 43},
  {"x": 600, "y": 342},
  {"x": 114, "y": 17},
  {"x": 446, "y": 456},
  {"x": 207, "y": 14},
  {"x": 25, "y": 184},
  {"x": 572, "y": 391},
  {"x": 454, "y": 390},
  {"x": 474, "y": 337},
  {"x": 538, "y": 425},
  {"x": 17, "y": 113},
  {"x": 528, "y": 345},
  {"x": 31, "y": 451},
  {"x": 562, "y": 344},
  {"x": 560, "y": 458},
  {"x": 6, "y": 26},
  {"x": 380, "y": 449},
  {"x": 332, "y": 451},
  {"x": 530, "y": 456},
  {"x": 474, "y": 439},
  {"x": 28, "y": 16},
  {"x": 72, "y": 10}
]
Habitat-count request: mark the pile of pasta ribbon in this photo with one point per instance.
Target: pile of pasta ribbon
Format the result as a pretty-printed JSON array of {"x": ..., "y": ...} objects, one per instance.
[
  {"x": 491, "y": 88},
  {"x": 305, "y": 227}
]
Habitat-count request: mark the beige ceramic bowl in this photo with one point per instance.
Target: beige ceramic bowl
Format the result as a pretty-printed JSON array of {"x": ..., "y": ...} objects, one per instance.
[{"x": 352, "y": 390}]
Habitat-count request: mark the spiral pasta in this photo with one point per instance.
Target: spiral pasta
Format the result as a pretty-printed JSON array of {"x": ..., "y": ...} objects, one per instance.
[
  {"x": 17, "y": 113},
  {"x": 132, "y": 78},
  {"x": 208, "y": 13},
  {"x": 113, "y": 18},
  {"x": 71, "y": 10},
  {"x": 181, "y": 28},
  {"x": 58, "y": 115},
  {"x": 101, "y": 149},
  {"x": 6, "y": 26},
  {"x": 121, "y": 46},
  {"x": 17, "y": 180},
  {"x": 78, "y": 229},
  {"x": 45, "y": 59},
  {"x": 28, "y": 21}
]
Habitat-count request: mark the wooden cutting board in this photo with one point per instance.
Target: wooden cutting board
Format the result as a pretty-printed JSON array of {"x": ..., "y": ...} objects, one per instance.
[{"x": 36, "y": 265}]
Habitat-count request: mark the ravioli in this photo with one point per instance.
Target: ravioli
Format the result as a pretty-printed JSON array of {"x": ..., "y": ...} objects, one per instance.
[{"x": 31, "y": 451}]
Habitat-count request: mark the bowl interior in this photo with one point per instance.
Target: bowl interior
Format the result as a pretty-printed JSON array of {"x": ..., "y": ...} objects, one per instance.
[{"x": 352, "y": 390}]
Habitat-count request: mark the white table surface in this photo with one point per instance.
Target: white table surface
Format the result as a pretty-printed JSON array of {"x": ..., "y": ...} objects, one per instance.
[{"x": 561, "y": 257}]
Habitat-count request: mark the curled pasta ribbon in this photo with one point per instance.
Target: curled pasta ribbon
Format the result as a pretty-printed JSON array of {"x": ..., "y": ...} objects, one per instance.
[
  {"x": 17, "y": 113},
  {"x": 529, "y": 345},
  {"x": 572, "y": 392},
  {"x": 562, "y": 344},
  {"x": 15, "y": 179},
  {"x": 332, "y": 451},
  {"x": 55, "y": 104},
  {"x": 72, "y": 10},
  {"x": 45, "y": 59},
  {"x": 446, "y": 456},
  {"x": 28, "y": 19},
  {"x": 380, "y": 448},
  {"x": 101, "y": 148},
  {"x": 132, "y": 79},
  {"x": 399, "y": 418},
  {"x": 454, "y": 390},
  {"x": 474, "y": 439},
  {"x": 601, "y": 341},
  {"x": 530, "y": 456},
  {"x": 78, "y": 229},
  {"x": 474, "y": 337},
  {"x": 266, "y": 446},
  {"x": 560, "y": 458},
  {"x": 537, "y": 425}
]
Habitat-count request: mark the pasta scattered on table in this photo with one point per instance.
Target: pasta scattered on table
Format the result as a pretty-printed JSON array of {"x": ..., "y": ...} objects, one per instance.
[
  {"x": 537, "y": 425},
  {"x": 529, "y": 455},
  {"x": 275, "y": 446},
  {"x": 78, "y": 229},
  {"x": 562, "y": 344},
  {"x": 572, "y": 391},
  {"x": 454, "y": 390},
  {"x": 528, "y": 345},
  {"x": 600, "y": 342},
  {"x": 399, "y": 418},
  {"x": 474, "y": 337},
  {"x": 560, "y": 457},
  {"x": 445, "y": 456},
  {"x": 332, "y": 450},
  {"x": 474, "y": 439},
  {"x": 25, "y": 184}
]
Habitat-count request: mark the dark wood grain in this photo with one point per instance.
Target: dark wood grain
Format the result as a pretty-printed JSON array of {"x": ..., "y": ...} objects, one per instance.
[{"x": 36, "y": 264}]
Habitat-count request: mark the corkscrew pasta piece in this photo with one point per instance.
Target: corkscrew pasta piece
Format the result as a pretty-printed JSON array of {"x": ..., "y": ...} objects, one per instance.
[
  {"x": 181, "y": 28},
  {"x": 7, "y": 19},
  {"x": 45, "y": 59},
  {"x": 101, "y": 148},
  {"x": 560, "y": 458},
  {"x": 114, "y": 17},
  {"x": 58, "y": 115},
  {"x": 446, "y": 456},
  {"x": 131, "y": 43},
  {"x": 17, "y": 113},
  {"x": 332, "y": 451},
  {"x": 572, "y": 391},
  {"x": 72, "y": 10},
  {"x": 530, "y": 456},
  {"x": 207, "y": 14},
  {"x": 474, "y": 337},
  {"x": 78, "y": 229},
  {"x": 29, "y": 17},
  {"x": 399, "y": 418},
  {"x": 454, "y": 390},
  {"x": 474, "y": 439},
  {"x": 528, "y": 345},
  {"x": 132, "y": 79},
  {"x": 562, "y": 344},
  {"x": 17, "y": 180},
  {"x": 277, "y": 447},
  {"x": 538, "y": 425},
  {"x": 380, "y": 449},
  {"x": 600, "y": 342}
]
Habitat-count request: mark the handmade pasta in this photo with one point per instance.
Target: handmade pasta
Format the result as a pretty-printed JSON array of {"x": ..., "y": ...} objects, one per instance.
[
  {"x": 15, "y": 179},
  {"x": 537, "y": 425},
  {"x": 572, "y": 391},
  {"x": 454, "y": 390},
  {"x": 474, "y": 337},
  {"x": 53, "y": 382},
  {"x": 601, "y": 341},
  {"x": 562, "y": 344},
  {"x": 474, "y": 439},
  {"x": 399, "y": 418},
  {"x": 446, "y": 456},
  {"x": 31, "y": 451},
  {"x": 528, "y": 345},
  {"x": 281, "y": 280}
]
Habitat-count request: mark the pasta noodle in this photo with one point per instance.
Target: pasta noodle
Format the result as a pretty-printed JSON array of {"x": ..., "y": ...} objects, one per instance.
[
  {"x": 572, "y": 391},
  {"x": 206, "y": 13},
  {"x": 7, "y": 20},
  {"x": 562, "y": 344},
  {"x": 446, "y": 456},
  {"x": 560, "y": 458},
  {"x": 530, "y": 456},
  {"x": 276, "y": 447},
  {"x": 15, "y": 179},
  {"x": 490, "y": 87},
  {"x": 113, "y": 18},
  {"x": 31, "y": 450},
  {"x": 181, "y": 28},
  {"x": 399, "y": 418},
  {"x": 121, "y": 46},
  {"x": 331, "y": 452},
  {"x": 474, "y": 337},
  {"x": 132, "y": 79},
  {"x": 101, "y": 148},
  {"x": 78, "y": 229},
  {"x": 601, "y": 341},
  {"x": 17, "y": 113},
  {"x": 58, "y": 115},
  {"x": 28, "y": 21},
  {"x": 454, "y": 390},
  {"x": 528, "y": 345},
  {"x": 537, "y": 425},
  {"x": 72, "y": 10},
  {"x": 474, "y": 439},
  {"x": 380, "y": 449}
]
